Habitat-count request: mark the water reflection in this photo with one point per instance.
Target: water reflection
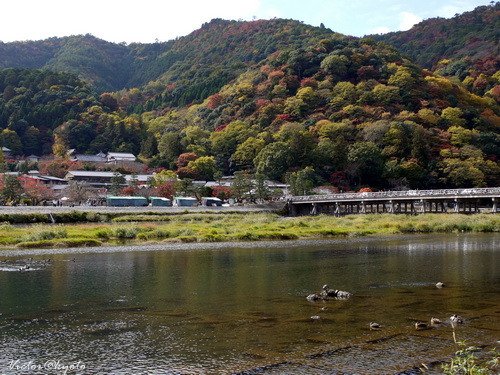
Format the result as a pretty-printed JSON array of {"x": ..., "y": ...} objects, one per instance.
[{"x": 232, "y": 309}]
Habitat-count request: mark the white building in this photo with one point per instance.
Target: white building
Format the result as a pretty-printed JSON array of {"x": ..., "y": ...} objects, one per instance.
[{"x": 120, "y": 156}]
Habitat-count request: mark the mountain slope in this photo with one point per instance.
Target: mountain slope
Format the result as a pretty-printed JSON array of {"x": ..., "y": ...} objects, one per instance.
[
  {"x": 199, "y": 64},
  {"x": 355, "y": 111},
  {"x": 105, "y": 65},
  {"x": 194, "y": 66},
  {"x": 473, "y": 35}
]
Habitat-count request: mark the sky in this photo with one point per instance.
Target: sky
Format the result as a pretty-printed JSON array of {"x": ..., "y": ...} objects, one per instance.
[{"x": 149, "y": 20}]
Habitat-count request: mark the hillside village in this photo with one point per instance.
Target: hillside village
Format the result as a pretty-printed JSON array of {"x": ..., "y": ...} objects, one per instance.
[{"x": 106, "y": 180}]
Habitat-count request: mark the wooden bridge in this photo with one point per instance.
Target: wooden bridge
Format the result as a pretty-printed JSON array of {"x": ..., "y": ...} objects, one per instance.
[{"x": 398, "y": 202}]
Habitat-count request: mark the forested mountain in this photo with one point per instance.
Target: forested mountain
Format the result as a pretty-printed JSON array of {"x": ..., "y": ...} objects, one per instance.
[
  {"x": 107, "y": 66},
  {"x": 277, "y": 98},
  {"x": 33, "y": 103},
  {"x": 473, "y": 35},
  {"x": 192, "y": 67},
  {"x": 465, "y": 47},
  {"x": 199, "y": 64},
  {"x": 351, "y": 112}
]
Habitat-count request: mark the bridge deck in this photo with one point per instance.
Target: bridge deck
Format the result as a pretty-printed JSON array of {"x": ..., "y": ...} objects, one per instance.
[
  {"x": 400, "y": 195},
  {"x": 410, "y": 201}
]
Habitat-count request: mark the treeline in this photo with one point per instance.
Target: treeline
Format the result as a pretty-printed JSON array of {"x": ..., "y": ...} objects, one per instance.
[
  {"x": 352, "y": 113},
  {"x": 176, "y": 72},
  {"x": 472, "y": 35},
  {"x": 33, "y": 103}
]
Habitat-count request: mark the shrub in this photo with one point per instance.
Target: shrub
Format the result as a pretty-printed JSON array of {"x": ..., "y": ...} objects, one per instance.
[
  {"x": 123, "y": 233},
  {"x": 40, "y": 234}
]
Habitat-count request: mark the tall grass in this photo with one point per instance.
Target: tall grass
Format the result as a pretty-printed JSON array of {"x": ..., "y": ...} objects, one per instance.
[{"x": 214, "y": 227}]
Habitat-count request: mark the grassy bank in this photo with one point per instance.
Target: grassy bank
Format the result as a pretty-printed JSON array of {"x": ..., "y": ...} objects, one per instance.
[{"x": 216, "y": 227}]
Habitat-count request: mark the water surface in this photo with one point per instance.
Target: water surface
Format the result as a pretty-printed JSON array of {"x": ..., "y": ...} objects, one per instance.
[{"x": 235, "y": 309}]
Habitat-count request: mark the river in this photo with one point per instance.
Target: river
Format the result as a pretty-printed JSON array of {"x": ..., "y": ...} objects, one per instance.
[{"x": 232, "y": 309}]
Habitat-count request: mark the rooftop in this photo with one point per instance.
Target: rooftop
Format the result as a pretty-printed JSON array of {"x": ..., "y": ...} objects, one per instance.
[
  {"x": 138, "y": 177},
  {"x": 93, "y": 174},
  {"x": 120, "y": 154},
  {"x": 89, "y": 158}
]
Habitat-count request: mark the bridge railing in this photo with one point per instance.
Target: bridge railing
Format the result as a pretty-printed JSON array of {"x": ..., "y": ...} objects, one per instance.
[{"x": 418, "y": 194}]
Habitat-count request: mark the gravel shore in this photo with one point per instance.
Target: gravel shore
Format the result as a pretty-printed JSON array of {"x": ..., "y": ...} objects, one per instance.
[{"x": 134, "y": 210}]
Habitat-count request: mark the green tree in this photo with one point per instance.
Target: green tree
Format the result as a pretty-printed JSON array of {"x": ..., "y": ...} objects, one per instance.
[
  {"x": 117, "y": 183},
  {"x": 12, "y": 141},
  {"x": 170, "y": 147},
  {"x": 402, "y": 78},
  {"x": 262, "y": 191},
  {"x": 149, "y": 146},
  {"x": 336, "y": 65},
  {"x": 428, "y": 116},
  {"x": 274, "y": 160},
  {"x": 184, "y": 187},
  {"x": 225, "y": 142},
  {"x": 247, "y": 151},
  {"x": 461, "y": 136},
  {"x": 195, "y": 139},
  {"x": 330, "y": 155},
  {"x": 12, "y": 190},
  {"x": 204, "y": 167},
  {"x": 453, "y": 116},
  {"x": 163, "y": 176},
  {"x": 2, "y": 161},
  {"x": 242, "y": 185},
  {"x": 299, "y": 140},
  {"x": 396, "y": 140},
  {"x": 386, "y": 94},
  {"x": 31, "y": 141},
  {"x": 366, "y": 163},
  {"x": 302, "y": 181}
]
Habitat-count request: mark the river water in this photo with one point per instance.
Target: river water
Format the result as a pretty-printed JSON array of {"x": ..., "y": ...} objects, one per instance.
[{"x": 230, "y": 310}]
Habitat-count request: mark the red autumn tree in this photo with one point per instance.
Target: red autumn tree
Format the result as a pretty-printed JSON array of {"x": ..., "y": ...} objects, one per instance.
[
  {"x": 167, "y": 189},
  {"x": 214, "y": 101},
  {"x": 129, "y": 191},
  {"x": 365, "y": 190},
  {"x": 221, "y": 192},
  {"x": 59, "y": 167},
  {"x": 340, "y": 180},
  {"x": 186, "y": 172},
  {"x": 184, "y": 159},
  {"x": 36, "y": 190}
]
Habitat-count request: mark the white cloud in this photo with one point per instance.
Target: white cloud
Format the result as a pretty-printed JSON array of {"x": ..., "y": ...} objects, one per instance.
[
  {"x": 448, "y": 11},
  {"x": 116, "y": 20},
  {"x": 453, "y": 7},
  {"x": 379, "y": 30},
  {"x": 407, "y": 20}
]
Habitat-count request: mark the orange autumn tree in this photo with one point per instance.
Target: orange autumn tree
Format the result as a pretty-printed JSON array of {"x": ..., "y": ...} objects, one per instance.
[{"x": 35, "y": 190}]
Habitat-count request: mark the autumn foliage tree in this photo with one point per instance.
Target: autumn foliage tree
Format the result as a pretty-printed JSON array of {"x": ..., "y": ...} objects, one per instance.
[
  {"x": 35, "y": 189},
  {"x": 167, "y": 189},
  {"x": 222, "y": 192}
]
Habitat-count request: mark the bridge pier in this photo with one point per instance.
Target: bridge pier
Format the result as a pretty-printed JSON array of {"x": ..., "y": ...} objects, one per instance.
[
  {"x": 391, "y": 207},
  {"x": 337, "y": 209},
  {"x": 423, "y": 203},
  {"x": 494, "y": 208}
]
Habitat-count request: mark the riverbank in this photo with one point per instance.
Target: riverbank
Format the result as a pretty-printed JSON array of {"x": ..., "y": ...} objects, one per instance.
[
  {"x": 233, "y": 227},
  {"x": 93, "y": 214}
]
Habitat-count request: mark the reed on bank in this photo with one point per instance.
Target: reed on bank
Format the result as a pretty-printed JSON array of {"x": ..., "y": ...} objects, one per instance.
[{"x": 223, "y": 227}]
